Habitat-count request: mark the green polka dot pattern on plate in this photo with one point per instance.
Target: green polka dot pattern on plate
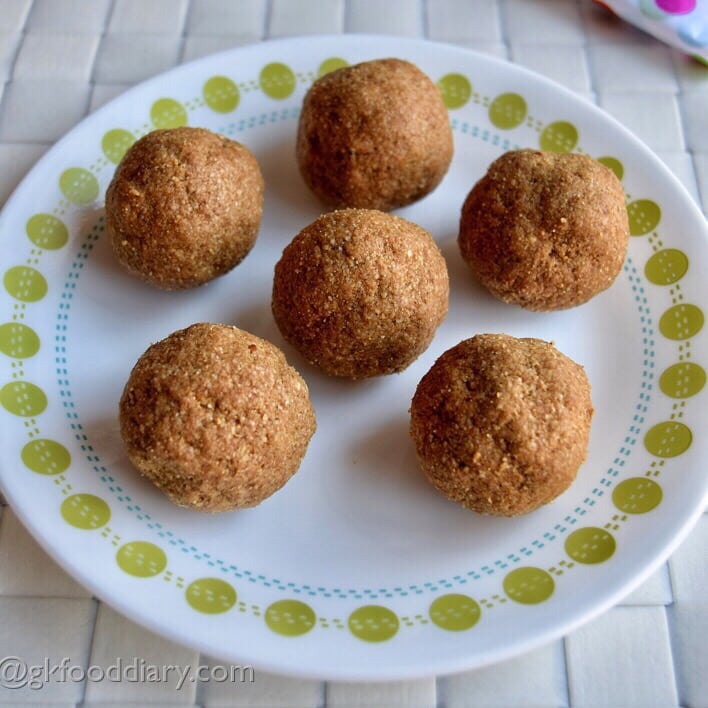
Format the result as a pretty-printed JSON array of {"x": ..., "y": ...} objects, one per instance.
[
  {"x": 115, "y": 144},
  {"x": 46, "y": 231},
  {"x": 507, "y": 111},
  {"x": 681, "y": 322},
  {"x": 682, "y": 380},
  {"x": 590, "y": 545},
  {"x": 78, "y": 185},
  {"x": 277, "y": 80},
  {"x": 85, "y": 511},
  {"x": 560, "y": 136},
  {"x": 373, "y": 623},
  {"x": 668, "y": 439},
  {"x": 331, "y": 64},
  {"x": 637, "y": 495},
  {"x": 221, "y": 94},
  {"x": 528, "y": 585},
  {"x": 141, "y": 559},
  {"x": 290, "y": 617},
  {"x": 211, "y": 595},
  {"x": 23, "y": 398},
  {"x": 644, "y": 216},
  {"x": 18, "y": 340},
  {"x": 45, "y": 457},
  {"x": 168, "y": 113},
  {"x": 456, "y": 90},
  {"x": 455, "y": 612},
  {"x": 25, "y": 284},
  {"x": 614, "y": 164},
  {"x": 666, "y": 267}
]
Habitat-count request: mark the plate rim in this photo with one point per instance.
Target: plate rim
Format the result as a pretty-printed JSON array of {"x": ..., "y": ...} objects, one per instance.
[{"x": 557, "y": 631}]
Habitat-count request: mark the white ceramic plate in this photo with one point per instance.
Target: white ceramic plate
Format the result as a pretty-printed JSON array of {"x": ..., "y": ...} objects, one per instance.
[{"x": 357, "y": 569}]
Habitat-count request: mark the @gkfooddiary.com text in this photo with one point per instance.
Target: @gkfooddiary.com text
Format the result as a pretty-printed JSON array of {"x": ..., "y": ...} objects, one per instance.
[{"x": 16, "y": 673}]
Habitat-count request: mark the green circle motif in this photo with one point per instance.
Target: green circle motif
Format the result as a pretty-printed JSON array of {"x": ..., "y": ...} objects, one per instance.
[
  {"x": 637, "y": 495},
  {"x": 168, "y": 113},
  {"x": 78, "y": 185},
  {"x": 85, "y": 511},
  {"x": 560, "y": 136},
  {"x": 373, "y": 623},
  {"x": 277, "y": 80},
  {"x": 507, "y": 111},
  {"x": 681, "y": 322},
  {"x": 682, "y": 380},
  {"x": 25, "y": 284},
  {"x": 45, "y": 457},
  {"x": 330, "y": 65},
  {"x": 141, "y": 559},
  {"x": 666, "y": 267},
  {"x": 210, "y": 596},
  {"x": 614, "y": 164},
  {"x": 46, "y": 231},
  {"x": 22, "y": 398},
  {"x": 644, "y": 216},
  {"x": 290, "y": 618},
  {"x": 456, "y": 90},
  {"x": 528, "y": 585},
  {"x": 455, "y": 612},
  {"x": 590, "y": 545},
  {"x": 221, "y": 94},
  {"x": 18, "y": 340},
  {"x": 115, "y": 144},
  {"x": 668, "y": 439}
]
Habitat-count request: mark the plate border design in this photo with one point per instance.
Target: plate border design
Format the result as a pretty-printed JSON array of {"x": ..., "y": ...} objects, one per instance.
[{"x": 525, "y": 585}]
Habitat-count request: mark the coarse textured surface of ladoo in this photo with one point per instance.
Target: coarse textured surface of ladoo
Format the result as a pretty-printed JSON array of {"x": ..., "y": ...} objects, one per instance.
[
  {"x": 375, "y": 136},
  {"x": 360, "y": 293},
  {"x": 215, "y": 417},
  {"x": 545, "y": 230},
  {"x": 501, "y": 425},
  {"x": 184, "y": 207}
]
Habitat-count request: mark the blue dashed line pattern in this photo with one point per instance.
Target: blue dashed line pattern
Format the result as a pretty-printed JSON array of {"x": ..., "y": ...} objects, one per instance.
[{"x": 227, "y": 569}]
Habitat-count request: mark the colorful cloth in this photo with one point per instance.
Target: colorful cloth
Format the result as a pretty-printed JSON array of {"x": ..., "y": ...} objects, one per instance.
[{"x": 680, "y": 23}]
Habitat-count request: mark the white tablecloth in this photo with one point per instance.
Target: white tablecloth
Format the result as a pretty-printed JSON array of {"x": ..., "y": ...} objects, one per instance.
[{"x": 60, "y": 59}]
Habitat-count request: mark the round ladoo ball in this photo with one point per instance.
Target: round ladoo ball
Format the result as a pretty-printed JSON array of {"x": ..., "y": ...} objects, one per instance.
[
  {"x": 545, "y": 230},
  {"x": 501, "y": 425},
  {"x": 360, "y": 293},
  {"x": 215, "y": 417},
  {"x": 184, "y": 207},
  {"x": 375, "y": 136}
]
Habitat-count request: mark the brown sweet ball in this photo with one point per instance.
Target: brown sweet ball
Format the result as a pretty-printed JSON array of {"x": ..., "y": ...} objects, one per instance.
[
  {"x": 545, "y": 230},
  {"x": 215, "y": 418},
  {"x": 500, "y": 424},
  {"x": 375, "y": 136},
  {"x": 184, "y": 207},
  {"x": 360, "y": 293}
]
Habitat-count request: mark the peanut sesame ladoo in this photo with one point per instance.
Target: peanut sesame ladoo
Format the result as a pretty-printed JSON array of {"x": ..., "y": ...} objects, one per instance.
[
  {"x": 501, "y": 425},
  {"x": 545, "y": 230},
  {"x": 215, "y": 417},
  {"x": 375, "y": 136},
  {"x": 360, "y": 293},
  {"x": 184, "y": 207}
]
